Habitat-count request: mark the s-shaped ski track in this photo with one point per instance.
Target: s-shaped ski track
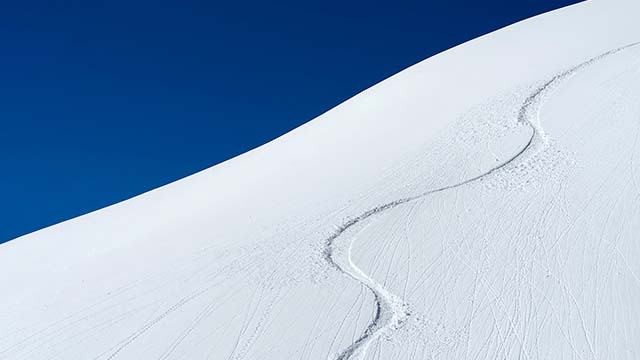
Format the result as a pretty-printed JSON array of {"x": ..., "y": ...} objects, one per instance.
[{"x": 391, "y": 310}]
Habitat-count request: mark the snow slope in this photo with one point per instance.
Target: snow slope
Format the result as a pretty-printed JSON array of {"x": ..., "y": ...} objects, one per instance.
[{"x": 482, "y": 204}]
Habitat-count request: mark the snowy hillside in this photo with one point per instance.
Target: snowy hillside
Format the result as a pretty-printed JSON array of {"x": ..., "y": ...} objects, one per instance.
[{"x": 482, "y": 204}]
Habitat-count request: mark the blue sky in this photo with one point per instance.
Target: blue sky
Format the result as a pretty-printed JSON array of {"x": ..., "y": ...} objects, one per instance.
[{"x": 104, "y": 100}]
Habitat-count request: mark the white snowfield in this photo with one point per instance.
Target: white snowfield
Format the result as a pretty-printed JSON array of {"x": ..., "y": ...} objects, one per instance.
[{"x": 482, "y": 204}]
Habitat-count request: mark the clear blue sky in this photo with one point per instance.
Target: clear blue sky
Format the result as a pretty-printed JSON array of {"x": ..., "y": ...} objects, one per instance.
[{"x": 104, "y": 100}]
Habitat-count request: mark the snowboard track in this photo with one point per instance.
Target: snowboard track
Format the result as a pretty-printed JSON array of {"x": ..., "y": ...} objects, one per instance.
[{"x": 391, "y": 311}]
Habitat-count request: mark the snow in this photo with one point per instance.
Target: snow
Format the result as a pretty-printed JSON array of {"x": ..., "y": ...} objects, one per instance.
[{"x": 482, "y": 204}]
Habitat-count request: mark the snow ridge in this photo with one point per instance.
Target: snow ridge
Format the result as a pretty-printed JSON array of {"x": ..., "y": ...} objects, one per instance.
[{"x": 392, "y": 311}]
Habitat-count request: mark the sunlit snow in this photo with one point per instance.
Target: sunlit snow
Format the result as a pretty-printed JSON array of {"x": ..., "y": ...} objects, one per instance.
[{"x": 482, "y": 204}]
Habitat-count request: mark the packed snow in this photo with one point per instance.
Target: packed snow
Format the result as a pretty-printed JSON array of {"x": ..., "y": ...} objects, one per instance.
[{"x": 482, "y": 204}]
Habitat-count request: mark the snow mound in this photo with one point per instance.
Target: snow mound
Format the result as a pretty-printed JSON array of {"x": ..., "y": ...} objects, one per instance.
[{"x": 482, "y": 204}]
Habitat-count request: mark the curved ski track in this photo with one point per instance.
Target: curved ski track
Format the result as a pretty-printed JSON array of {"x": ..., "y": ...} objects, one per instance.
[{"x": 391, "y": 311}]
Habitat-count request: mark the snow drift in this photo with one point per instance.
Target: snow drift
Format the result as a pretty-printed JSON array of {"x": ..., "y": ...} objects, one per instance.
[{"x": 482, "y": 204}]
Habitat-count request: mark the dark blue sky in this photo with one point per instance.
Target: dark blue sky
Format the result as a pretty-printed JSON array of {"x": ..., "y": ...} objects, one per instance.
[{"x": 103, "y": 100}]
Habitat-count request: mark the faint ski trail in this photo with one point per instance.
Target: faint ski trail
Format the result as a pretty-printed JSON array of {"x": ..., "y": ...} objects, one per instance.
[{"x": 391, "y": 310}]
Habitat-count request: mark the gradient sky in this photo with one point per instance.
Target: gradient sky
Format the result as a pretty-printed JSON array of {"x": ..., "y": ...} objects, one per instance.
[{"x": 104, "y": 100}]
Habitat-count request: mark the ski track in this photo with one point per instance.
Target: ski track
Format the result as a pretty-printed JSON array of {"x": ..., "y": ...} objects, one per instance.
[{"x": 391, "y": 310}]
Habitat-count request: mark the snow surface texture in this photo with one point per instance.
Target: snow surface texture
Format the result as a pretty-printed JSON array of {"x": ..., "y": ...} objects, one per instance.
[{"x": 483, "y": 204}]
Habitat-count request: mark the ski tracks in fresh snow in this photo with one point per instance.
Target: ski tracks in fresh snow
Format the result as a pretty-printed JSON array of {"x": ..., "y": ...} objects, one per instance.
[{"x": 391, "y": 311}]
